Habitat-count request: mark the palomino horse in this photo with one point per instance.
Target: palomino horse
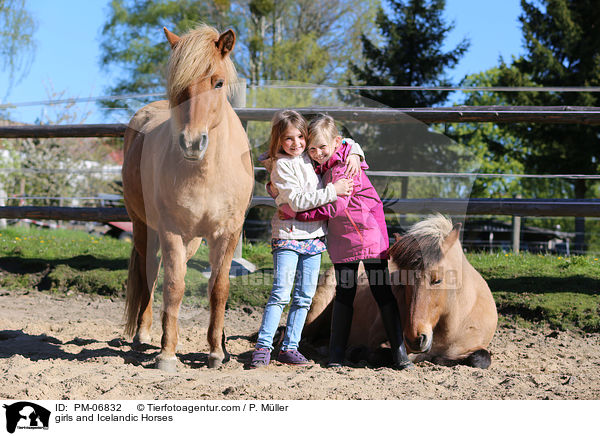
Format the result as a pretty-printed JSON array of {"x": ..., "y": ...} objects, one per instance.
[
  {"x": 448, "y": 312},
  {"x": 187, "y": 174}
]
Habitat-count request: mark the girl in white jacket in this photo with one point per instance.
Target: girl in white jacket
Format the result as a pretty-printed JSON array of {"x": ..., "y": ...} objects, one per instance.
[{"x": 296, "y": 246}]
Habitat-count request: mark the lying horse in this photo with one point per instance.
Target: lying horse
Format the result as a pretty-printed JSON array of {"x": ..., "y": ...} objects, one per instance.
[
  {"x": 187, "y": 174},
  {"x": 448, "y": 313}
]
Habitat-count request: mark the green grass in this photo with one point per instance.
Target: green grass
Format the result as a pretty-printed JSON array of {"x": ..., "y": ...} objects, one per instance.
[
  {"x": 561, "y": 293},
  {"x": 62, "y": 260}
]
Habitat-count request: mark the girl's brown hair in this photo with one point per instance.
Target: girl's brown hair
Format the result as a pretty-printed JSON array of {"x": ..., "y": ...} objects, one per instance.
[
  {"x": 279, "y": 124},
  {"x": 322, "y": 128}
]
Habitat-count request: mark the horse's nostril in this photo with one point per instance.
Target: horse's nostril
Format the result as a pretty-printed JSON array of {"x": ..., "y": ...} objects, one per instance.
[
  {"x": 182, "y": 142},
  {"x": 421, "y": 341}
]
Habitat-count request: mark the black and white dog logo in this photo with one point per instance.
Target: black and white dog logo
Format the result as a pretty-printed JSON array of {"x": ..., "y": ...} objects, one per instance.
[{"x": 26, "y": 415}]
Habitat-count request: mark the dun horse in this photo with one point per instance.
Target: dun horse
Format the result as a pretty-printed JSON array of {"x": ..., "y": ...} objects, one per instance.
[
  {"x": 448, "y": 312},
  {"x": 187, "y": 174}
]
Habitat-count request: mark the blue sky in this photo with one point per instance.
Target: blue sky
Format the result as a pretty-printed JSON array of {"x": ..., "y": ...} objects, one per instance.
[{"x": 68, "y": 54}]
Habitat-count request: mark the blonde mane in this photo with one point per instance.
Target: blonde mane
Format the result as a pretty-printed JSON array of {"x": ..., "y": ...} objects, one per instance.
[
  {"x": 421, "y": 246},
  {"x": 196, "y": 56}
]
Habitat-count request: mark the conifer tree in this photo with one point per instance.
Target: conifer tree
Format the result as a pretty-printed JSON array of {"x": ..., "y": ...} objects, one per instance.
[
  {"x": 562, "y": 49},
  {"x": 411, "y": 53}
]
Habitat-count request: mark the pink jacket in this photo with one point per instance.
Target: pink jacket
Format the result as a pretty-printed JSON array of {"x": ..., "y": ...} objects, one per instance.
[{"x": 356, "y": 225}]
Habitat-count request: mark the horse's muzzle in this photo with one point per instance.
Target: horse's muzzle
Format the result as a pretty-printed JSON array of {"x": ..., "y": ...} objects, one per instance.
[
  {"x": 421, "y": 344},
  {"x": 194, "y": 151}
]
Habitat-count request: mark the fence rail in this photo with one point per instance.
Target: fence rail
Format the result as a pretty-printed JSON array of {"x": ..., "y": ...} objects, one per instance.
[
  {"x": 473, "y": 206},
  {"x": 496, "y": 114},
  {"x": 456, "y": 114}
]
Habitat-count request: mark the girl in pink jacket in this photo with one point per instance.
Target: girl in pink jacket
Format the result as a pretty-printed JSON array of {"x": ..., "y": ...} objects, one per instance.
[{"x": 357, "y": 232}]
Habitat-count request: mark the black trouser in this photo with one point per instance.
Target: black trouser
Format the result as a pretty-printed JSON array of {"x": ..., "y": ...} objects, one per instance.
[{"x": 378, "y": 276}]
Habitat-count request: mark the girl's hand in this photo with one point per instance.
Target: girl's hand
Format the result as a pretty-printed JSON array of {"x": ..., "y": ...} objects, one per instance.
[
  {"x": 272, "y": 190},
  {"x": 343, "y": 187},
  {"x": 285, "y": 212},
  {"x": 283, "y": 216},
  {"x": 352, "y": 166}
]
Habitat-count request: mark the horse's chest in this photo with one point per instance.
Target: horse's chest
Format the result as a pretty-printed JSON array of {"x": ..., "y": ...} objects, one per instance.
[{"x": 198, "y": 209}]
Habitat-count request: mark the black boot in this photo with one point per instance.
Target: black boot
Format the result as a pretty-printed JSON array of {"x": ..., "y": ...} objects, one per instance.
[
  {"x": 393, "y": 329},
  {"x": 341, "y": 321}
]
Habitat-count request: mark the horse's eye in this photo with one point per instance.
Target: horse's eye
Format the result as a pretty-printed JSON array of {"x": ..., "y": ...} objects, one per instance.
[
  {"x": 436, "y": 282},
  {"x": 219, "y": 84}
]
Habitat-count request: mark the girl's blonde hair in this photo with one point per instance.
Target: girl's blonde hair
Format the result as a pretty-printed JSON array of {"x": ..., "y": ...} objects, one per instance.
[
  {"x": 322, "y": 128},
  {"x": 279, "y": 124}
]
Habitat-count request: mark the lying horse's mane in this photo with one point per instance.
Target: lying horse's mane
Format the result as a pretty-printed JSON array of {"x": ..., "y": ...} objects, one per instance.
[
  {"x": 421, "y": 246},
  {"x": 195, "y": 56}
]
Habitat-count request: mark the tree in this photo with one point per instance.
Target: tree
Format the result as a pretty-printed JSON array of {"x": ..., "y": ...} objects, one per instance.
[
  {"x": 50, "y": 169},
  {"x": 302, "y": 40},
  {"x": 276, "y": 40},
  {"x": 487, "y": 141},
  {"x": 561, "y": 50},
  {"x": 133, "y": 44},
  {"x": 411, "y": 53},
  {"x": 17, "y": 47}
]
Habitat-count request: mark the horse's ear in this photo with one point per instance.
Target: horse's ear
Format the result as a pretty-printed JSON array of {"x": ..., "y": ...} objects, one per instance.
[
  {"x": 397, "y": 236},
  {"x": 452, "y": 237},
  {"x": 226, "y": 42},
  {"x": 171, "y": 37}
]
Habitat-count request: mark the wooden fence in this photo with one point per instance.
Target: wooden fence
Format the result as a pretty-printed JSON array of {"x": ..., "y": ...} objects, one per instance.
[
  {"x": 461, "y": 114},
  {"x": 456, "y": 114}
]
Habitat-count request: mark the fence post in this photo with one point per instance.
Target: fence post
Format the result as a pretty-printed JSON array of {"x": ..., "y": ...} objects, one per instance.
[
  {"x": 516, "y": 231},
  {"x": 3, "y": 198}
]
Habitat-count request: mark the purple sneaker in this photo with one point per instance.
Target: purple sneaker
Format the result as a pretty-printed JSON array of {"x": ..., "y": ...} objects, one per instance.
[
  {"x": 260, "y": 357},
  {"x": 292, "y": 357}
]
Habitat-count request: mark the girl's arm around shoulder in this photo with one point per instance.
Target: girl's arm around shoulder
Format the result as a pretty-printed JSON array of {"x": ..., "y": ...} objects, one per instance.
[
  {"x": 355, "y": 148},
  {"x": 355, "y": 162}
]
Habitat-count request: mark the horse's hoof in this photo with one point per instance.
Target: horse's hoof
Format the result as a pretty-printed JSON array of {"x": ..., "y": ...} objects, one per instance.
[
  {"x": 167, "y": 364},
  {"x": 215, "y": 361},
  {"x": 404, "y": 365},
  {"x": 141, "y": 342},
  {"x": 140, "y": 346}
]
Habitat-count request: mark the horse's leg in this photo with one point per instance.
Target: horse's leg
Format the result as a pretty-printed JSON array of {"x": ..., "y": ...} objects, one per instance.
[
  {"x": 477, "y": 359},
  {"x": 221, "y": 254},
  {"x": 191, "y": 248},
  {"x": 174, "y": 261},
  {"x": 149, "y": 273},
  {"x": 139, "y": 295}
]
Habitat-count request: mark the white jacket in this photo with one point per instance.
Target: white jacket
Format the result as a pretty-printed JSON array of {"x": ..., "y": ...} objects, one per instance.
[{"x": 301, "y": 188}]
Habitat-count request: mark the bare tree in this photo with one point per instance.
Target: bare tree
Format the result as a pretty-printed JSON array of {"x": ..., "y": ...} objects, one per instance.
[{"x": 17, "y": 46}]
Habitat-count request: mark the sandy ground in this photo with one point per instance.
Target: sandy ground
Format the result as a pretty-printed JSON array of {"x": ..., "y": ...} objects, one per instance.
[{"x": 71, "y": 347}]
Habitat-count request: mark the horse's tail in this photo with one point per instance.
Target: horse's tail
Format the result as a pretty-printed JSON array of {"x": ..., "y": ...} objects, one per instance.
[{"x": 135, "y": 290}]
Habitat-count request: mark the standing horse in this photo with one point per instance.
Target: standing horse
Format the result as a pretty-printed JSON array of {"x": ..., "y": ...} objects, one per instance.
[
  {"x": 187, "y": 174},
  {"x": 448, "y": 313}
]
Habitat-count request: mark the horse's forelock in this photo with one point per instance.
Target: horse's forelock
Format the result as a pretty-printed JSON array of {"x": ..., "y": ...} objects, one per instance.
[
  {"x": 421, "y": 247},
  {"x": 195, "y": 56},
  {"x": 416, "y": 254}
]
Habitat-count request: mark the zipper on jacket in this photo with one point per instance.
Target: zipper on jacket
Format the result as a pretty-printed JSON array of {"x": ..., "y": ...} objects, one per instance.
[{"x": 354, "y": 225}]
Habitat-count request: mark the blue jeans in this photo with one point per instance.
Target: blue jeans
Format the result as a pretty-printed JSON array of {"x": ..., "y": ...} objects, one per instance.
[{"x": 287, "y": 266}]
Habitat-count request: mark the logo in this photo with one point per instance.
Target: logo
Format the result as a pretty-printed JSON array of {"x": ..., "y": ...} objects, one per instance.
[{"x": 26, "y": 415}]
